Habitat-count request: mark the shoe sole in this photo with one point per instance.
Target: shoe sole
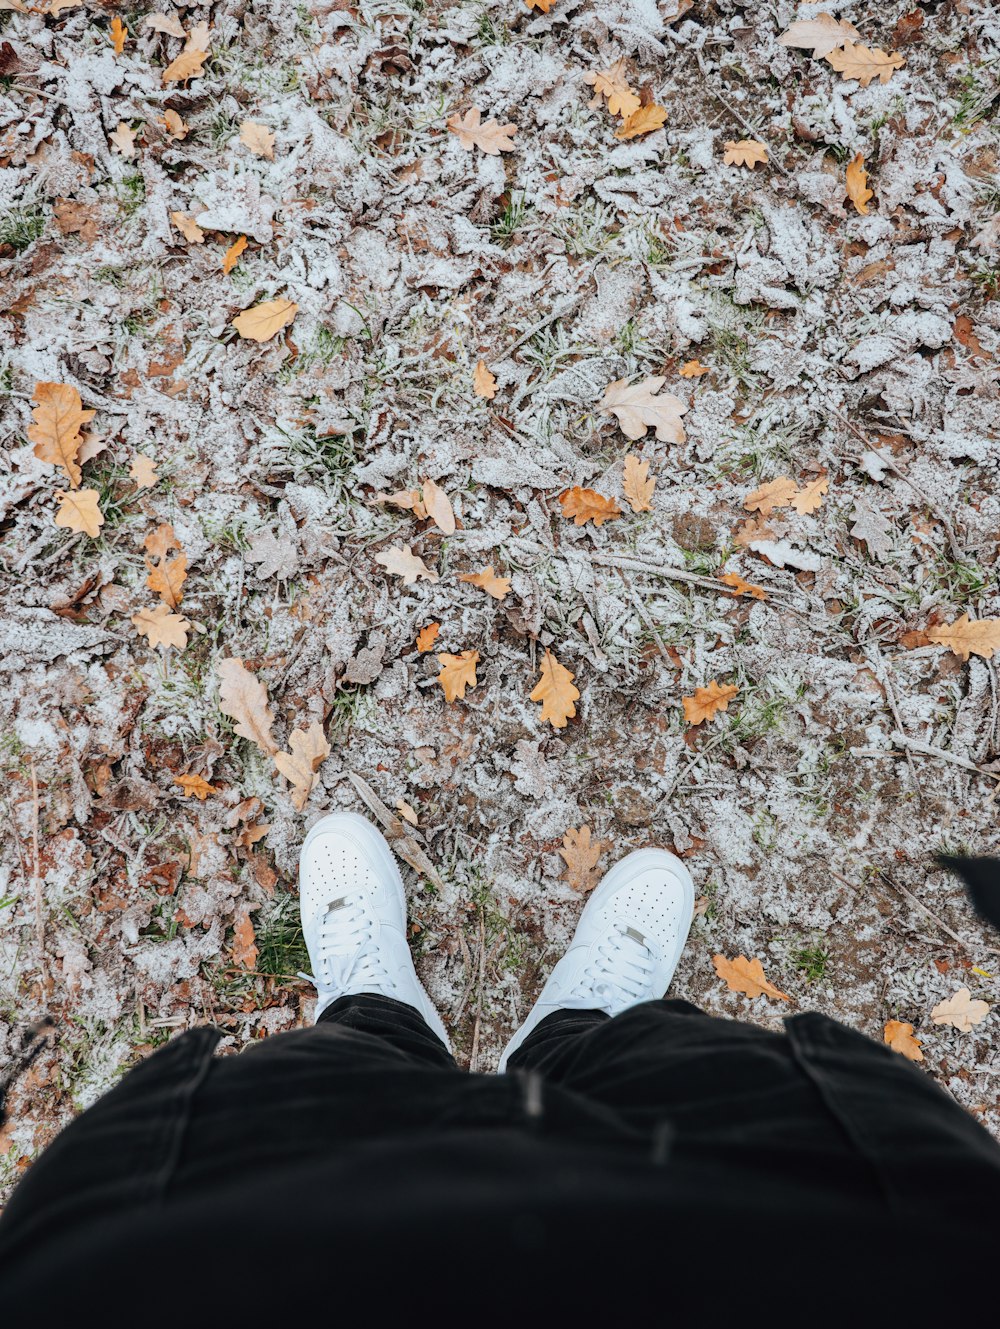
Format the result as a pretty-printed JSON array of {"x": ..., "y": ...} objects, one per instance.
[
  {"x": 638, "y": 861},
  {"x": 371, "y": 841}
]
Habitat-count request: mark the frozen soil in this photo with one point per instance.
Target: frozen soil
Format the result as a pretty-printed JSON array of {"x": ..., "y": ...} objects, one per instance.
[{"x": 863, "y": 346}]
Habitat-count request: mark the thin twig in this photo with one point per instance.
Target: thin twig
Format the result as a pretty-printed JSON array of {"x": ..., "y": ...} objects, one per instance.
[
  {"x": 36, "y": 881},
  {"x": 928, "y": 750},
  {"x": 641, "y": 611},
  {"x": 883, "y": 675}
]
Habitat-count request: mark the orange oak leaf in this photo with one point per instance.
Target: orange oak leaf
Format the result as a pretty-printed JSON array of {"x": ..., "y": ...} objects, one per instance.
[
  {"x": 161, "y": 627},
  {"x": 643, "y": 121},
  {"x": 900, "y": 1038},
  {"x": 612, "y": 84},
  {"x": 747, "y": 152},
  {"x": 58, "y": 418},
  {"x": 143, "y": 471},
  {"x": 581, "y": 855},
  {"x": 118, "y": 34},
  {"x": 864, "y": 63},
  {"x": 188, "y": 227},
  {"x": 543, "y": 5},
  {"x": 189, "y": 63},
  {"x": 167, "y": 578},
  {"x": 585, "y": 505},
  {"x": 261, "y": 322},
  {"x": 405, "y": 498},
  {"x": 458, "y": 672},
  {"x": 427, "y": 636},
  {"x": 693, "y": 369},
  {"x": 775, "y": 494},
  {"x": 706, "y": 702},
  {"x": 811, "y": 497},
  {"x": 484, "y": 383},
  {"x": 488, "y": 581},
  {"x": 160, "y": 541},
  {"x": 78, "y": 511},
  {"x": 491, "y": 138},
  {"x": 300, "y": 765},
  {"x": 636, "y": 484},
  {"x": 258, "y": 138},
  {"x": 232, "y": 255},
  {"x": 244, "y": 941},
  {"x": 857, "y": 184},
  {"x": 741, "y": 587},
  {"x": 195, "y": 785},
  {"x": 556, "y": 692},
  {"x": 754, "y": 528},
  {"x": 980, "y": 637},
  {"x": 747, "y": 976},
  {"x": 175, "y": 126}
]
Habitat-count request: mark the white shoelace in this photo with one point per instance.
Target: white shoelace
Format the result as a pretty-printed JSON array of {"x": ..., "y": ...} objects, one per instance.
[
  {"x": 619, "y": 974},
  {"x": 349, "y": 960}
]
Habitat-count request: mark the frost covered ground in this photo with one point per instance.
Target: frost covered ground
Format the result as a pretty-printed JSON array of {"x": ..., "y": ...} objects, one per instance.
[{"x": 867, "y": 347}]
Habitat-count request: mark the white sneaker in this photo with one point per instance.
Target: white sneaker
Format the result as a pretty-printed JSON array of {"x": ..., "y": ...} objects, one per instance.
[
  {"x": 627, "y": 943},
  {"x": 354, "y": 917}
]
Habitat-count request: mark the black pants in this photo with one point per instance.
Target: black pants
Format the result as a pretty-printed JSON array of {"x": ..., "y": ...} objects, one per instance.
[{"x": 361, "y": 1136}]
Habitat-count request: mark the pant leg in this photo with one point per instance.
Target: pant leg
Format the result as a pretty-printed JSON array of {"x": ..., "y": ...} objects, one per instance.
[{"x": 395, "y": 1025}]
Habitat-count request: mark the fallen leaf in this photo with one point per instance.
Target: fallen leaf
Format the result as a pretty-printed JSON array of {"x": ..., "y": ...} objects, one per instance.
[
  {"x": 78, "y": 511},
  {"x": 167, "y": 579},
  {"x": 636, "y": 485},
  {"x": 76, "y": 219},
  {"x": 638, "y": 408},
  {"x": 438, "y": 507},
  {"x": 402, "y": 562},
  {"x": 556, "y": 692},
  {"x": 58, "y": 418},
  {"x": 543, "y": 5},
  {"x": 171, "y": 122},
  {"x": 491, "y": 138},
  {"x": 857, "y": 184},
  {"x": 581, "y": 855},
  {"x": 244, "y": 942},
  {"x": 160, "y": 541},
  {"x": 585, "y": 505},
  {"x": 162, "y": 627},
  {"x": 693, "y": 369},
  {"x": 811, "y": 497},
  {"x": 427, "y": 636},
  {"x": 232, "y": 254},
  {"x": 782, "y": 553},
  {"x": 195, "y": 785},
  {"x": 960, "y": 1011},
  {"x": 118, "y": 34},
  {"x": 259, "y": 139},
  {"x": 822, "y": 34},
  {"x": 775, "y": 494},
  {"x": 488, "y": 581},
  {"x": 747, "y": 976},
  {"x": 752, "y": 530},
  {"x": 409, "y": 499},
  {"x": 900, "y": 1038},
  {"x": 706, "y": 702},
  {"x": 871, "y": 527},
  {"x": 261, "y": 322},
  {"x": 123, "y": 140},
  {"x": 308, "y": 750},
  {"x": 188, "y": 227},
  {"x": 747, "y": 152},
  {"x": 484, "y": 383},
  {"x": 645, "y": 120},
  {"x": 166, "y": 23},
  {"x": 406, "y": 812},
  {"x": 458, "y": 672},
  {"x": 864, "y": 63},
  {"x": 980, "y": 637},
  {"x": 189, "y": 63},
  {"x": 612, "y": 84},
  {"x": 244, "y": 699},
  {"x": 741, "y": 587},
  {"x": 143, "y": 471}
]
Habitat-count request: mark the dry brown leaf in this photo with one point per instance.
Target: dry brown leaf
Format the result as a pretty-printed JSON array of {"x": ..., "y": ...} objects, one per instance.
[
  {"x": 188, "y": 227},
  {"x": 980, "y": 637},
  {"x": 166, "y": 23},
  {"x": 747, "y": 152},
  {"x": 636, "y": 484},
  {"x": 822, "y": 34},
  {"x": 741, "y": 587},
  {"x": 76, "y": 218},
  {"x": 438, "y": 507},
  {"x": 900, "y": 1038},
  {"x": 857, "y": 184},
  {"x": 484, "y": 383},
  {"x": 244, "y": 699},
  {"x": 244, "y": 942},
  {"x": 118, "y": 34},
  {"x": 79, "y": 511},
  {"x": 195, "y": 785},
  {"x": 693, "y": 369},
  {"x": 643, "y": 121},
  {"x": 706, "y": 702},
  {"x": 261, "y": 322},
  {"x": 143, "y": 471},
  {"x": 160, "y": 541},
  {"x": 427, "y": 636},
  {"x": 960, "y": 1011},
  {"x": 258, "y": 138},
  {"x": 58, "y": 418},
  {"x": 409, "y": 499},
  {"x": 747, "y": 976},
  {"x": 585, "y": 505},
  {"x": 612, "y": 84},
  {"x": 458, "y": 672},
  {"x": 161, "y": 627},
  {"x": 775, "y": 494},
  {"x": 123, "y": 140},
  {"x": 556, "y": 692},
  {"x": 754, "y": 528},
  {"x": 488, "y": 581},
  {"x": 581, "y": 855},
  {"x": 167, "y": 579},
  {"x": 638, "y": 408},
  {"x": 491, "y": 138},
  {"x": 402, "y": 562},
  {"x": 308, "y": 750},
  {"x": 811, "y": 497},
  {"x": 543, "y": 5},
  {"x": 864, "y": 63},
  {"x": 189, "y": 63},
  {"x": 175, "y": 126},
  {"x": 406, "y": 811},
  {"x": 231, "y": 257}
]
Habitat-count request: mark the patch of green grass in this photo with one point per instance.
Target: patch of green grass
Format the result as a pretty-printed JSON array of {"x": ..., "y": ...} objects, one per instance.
[
  {"x": 350, "y": 706},
  {"x": 281, "y": 947},
  {"x": 8, "y": 900},
  {"x": 987, "y": 278},
  {"x": 111, "y": 276},
  {"x": 588, "y": 230},
  {"x": 21, "y": 227},
  {"x": 489, "y": 32},
  {"x": 321, "y": 456},
  {"x": 6, "y": 379},
  {"x": 811, "y": 962},
  {"x": 115, "y": 491},
  {"x": 230, "y": 533},
  {"x": 324, "y": 348},
  {"x": 511, "y": 219},
  {"x": 974, "y": 101},
  {"x": 132, "y": 192}
]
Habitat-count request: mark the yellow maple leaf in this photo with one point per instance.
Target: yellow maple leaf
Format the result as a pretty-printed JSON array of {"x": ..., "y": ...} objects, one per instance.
[
  {"x": 58, "y": 418},
  {"x": 143, "y": 471},
  {"x": 258, "y": 138},
  {"x": 811, "y": 497},
  {"x": 747, "y": 152},
  {"x": 581, "y": 855},
  {"x": 427, "y": 636},
  {"x": 188, "y": 227},
  {"x": 79, "y": 511},
  {"x": 488, "y": 581},
  {"x": 491, "y": 138},
  {"x": 167, "y": 579},
  {"x": 484, "y": 383},
  {"x": 643, "y": 121},
  {"x": 231, "y": 257},
  {"x": 775, "y": 494},
  {"x": 900, "y": 1038},
  {"x": 747, "y": 976},
  {"x": 262, "y": 322},
  {"x": 636, "y": 485},
  {"x": 864, "y": 63},
  {"x": 118, "y": 34},
  {"x": 458, "y": 672},
  {"x": 300, "y": 766},
  {"x": 585, "y": 505},
  {"x": 965, "y": 638},
  {"x": 556, "y": 692},
  {"x": 706, "y": 702},
  {"x": 612, "y": 84},
  {"x": 741, "y": 587},
  {"x": 161, "y": 627},
  {"x": 195, "y": 785},
  {"x": 857, "y": 184}
]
